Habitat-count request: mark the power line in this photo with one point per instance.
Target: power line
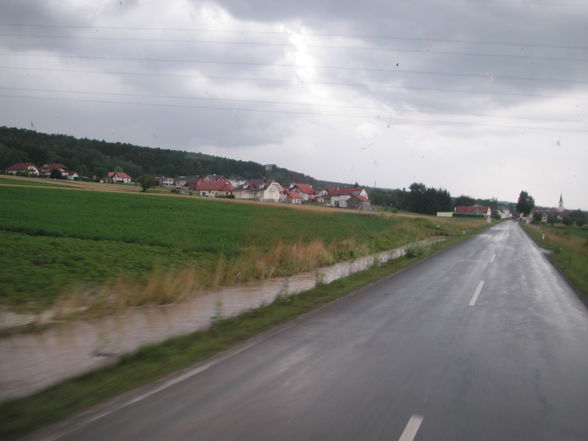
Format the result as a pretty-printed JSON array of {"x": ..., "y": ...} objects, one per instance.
[
  {"x": 274, "y": 102},
  {"x": 285, "y": 65},
  {"x": 302, "y": 113},
  {"x": 310, "y": 34},
  {"x": 300, "y": 82},
  {"x": 314, "y": 46}
]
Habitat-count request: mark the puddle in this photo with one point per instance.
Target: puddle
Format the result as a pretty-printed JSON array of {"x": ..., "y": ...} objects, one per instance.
[{"x": 33, "y": 361}]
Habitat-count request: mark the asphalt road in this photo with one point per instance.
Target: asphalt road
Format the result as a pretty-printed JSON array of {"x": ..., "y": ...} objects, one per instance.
[{"x": 483, "y": 341}]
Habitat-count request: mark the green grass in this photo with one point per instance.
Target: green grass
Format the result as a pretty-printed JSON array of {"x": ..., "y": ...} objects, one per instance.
[
  {"x": 570, "y": 250},
  {"x": 25, "y": 182},
  {"x": 32, "y": 268},
  {"x": 58, "y": 240},
  {"x": 21, "y": 416}
]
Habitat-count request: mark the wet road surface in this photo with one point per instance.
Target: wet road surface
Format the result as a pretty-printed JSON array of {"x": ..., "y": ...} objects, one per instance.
[{"x": 483, "y": 341}]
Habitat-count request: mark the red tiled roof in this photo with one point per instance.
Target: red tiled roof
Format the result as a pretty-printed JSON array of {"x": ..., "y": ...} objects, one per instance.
[
  {"x": 473, "y": 209},
  {"x": 53, "y": 166},
  {"x": 361, "y": 198},
  {"x": 304, "y": 188},
  {"x": 212, "y": 185},
  {"x": 548, "y": 211},
  {"x": 344, "y": 191},
  {"x": 20, "y": 166},
  {"x": 292, "y": 194},
  {"x": 121, "y": 175}
]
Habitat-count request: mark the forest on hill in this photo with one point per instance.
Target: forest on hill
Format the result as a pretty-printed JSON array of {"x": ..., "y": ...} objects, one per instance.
[{"x": 90, "y": 157}]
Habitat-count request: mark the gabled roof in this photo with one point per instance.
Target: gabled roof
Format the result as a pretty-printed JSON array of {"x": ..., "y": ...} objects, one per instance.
[
  {"x": 220, "y": 184},
  {"x": 304, "y": 188},
  {"x": 360, "y": 197},
  {"x": 292, "y": 194},
  {"x": 53, "y": 166},
  {"x": 256, "y": 185},
  {"x": 121, "y": 175},
  {"x": 472, "y": 209},
  {"x": 345, "y": 191},
  {"x": 548, "y": 211},
  {"x": 21, "y": 166}
]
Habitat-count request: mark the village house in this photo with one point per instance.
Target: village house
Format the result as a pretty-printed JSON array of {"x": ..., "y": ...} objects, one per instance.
[
  {"x": 350, "y": 197},
  {"x": 212, "y": 186},
  {"x": 305, "y": 191},
  {"x": 292, "y": 197},
  {"x": 118, "y": 178},
  {"x": 185, "y": 181},
  {"x": 473, "y": 210},
  {"x": 23, "y": 168},
  {"x": 555, "y": 213},
  {"x": 47, "y": 169},
  {"x": 163, "y": 181},
  {"x": 265, "y": 190},
  {"x": 320, "y": 196}
]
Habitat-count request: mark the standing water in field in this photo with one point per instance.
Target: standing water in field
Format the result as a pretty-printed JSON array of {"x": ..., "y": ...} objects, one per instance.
[{"x": 40, "y": 359}]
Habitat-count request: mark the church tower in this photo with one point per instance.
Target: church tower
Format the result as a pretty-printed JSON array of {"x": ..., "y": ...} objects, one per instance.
[{"x": 560, "y": 206}]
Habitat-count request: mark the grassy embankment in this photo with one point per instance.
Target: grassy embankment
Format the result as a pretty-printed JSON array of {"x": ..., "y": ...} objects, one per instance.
[
  {"x": 99, "y": 251},
  {"x": 21, "y": 416},
  {"x": 569, "y": 246}
]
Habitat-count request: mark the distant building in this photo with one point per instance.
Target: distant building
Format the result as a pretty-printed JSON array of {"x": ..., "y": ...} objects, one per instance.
[
  {"x": 212, "y": 186},
  {"x": 350, "y": 197},
  {"x": 266, "y": 190},
  {"x": 473, "y": 210},
  {"x": 47, "y": 169},
  {"x": 554, "y": 213},
  {"x": 305, "y": 191},
  {"x": 118, "y": 178},
  {"x": 185, "y": 181},
  {"x": 23, "y": 168},
  {"x": 292, "y": 197},
  {"x": 163, "y": 181}
]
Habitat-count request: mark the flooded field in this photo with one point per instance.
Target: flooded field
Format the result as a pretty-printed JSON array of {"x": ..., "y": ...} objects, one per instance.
[{"x": 32, "y": 361}]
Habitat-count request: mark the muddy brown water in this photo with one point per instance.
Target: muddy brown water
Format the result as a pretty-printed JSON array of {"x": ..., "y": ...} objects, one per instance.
[{"x": 33, "y": 361}]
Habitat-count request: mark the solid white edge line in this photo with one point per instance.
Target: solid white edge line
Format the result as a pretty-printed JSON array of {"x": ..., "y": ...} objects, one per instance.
[
  {"x": 411, "y": 428},
  {"x": 145, "y": 395},
  {"x": 477, "y": 293}
]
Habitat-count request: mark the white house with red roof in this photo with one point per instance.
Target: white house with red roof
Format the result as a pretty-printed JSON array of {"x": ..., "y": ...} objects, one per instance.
[
  {"x": 212, "y": 186},
  {"x": 115, "y": 177},
  {"x": 48, "y": 168},
  {"x": 350, "y": 197},
  {"x": 292, "y": 197},
  {"x": 265, "y": 190},
  {"x": 23, "y": 168},
  {"x": 305, "y": 191}
]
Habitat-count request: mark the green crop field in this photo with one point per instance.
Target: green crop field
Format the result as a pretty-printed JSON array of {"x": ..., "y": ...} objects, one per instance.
[
  {"x": 16, "y": 181},
  {"x": 58, "y": 241}
]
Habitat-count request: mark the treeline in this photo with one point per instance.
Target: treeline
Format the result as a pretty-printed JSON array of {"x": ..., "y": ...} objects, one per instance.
[
  {"x": 422, "y": 199},
  {"x": 90, "y": 157}
]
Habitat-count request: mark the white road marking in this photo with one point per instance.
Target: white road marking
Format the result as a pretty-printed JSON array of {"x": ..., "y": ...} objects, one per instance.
[
  {"x": 477, "y": 293},
  {"x": 166, "y": 385},
  {"x": 411, "y": 428},
  {"x": 492, "y": 258}
]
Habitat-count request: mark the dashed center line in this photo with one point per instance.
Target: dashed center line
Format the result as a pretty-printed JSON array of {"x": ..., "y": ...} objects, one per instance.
[
  {"x": 477, "y": 293},
  {"x": 492, "y": 258},
  {"x": 411, "y": 429}
]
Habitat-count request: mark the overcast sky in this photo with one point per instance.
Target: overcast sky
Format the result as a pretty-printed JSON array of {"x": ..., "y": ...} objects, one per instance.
[{"x": 480, "y": 97}]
